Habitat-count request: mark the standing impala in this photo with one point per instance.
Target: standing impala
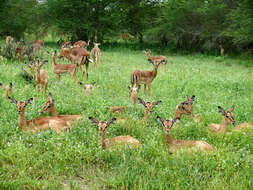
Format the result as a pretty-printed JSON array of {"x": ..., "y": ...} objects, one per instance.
[
  {"x": 185, "y": 107},
  {"x": 41, "y": 77},
  {"x": 96, "y": 53},
  {"x": 134, "y": 93},
  {"x": 38, "y": 124},
  {"x": 228, "y": 118},
  {"x": 146, "y": 77},
  {"x": 49, "y": 106},
  {"x": 158, "y": 58},
  {"x": 8, "y": 40},
  {"x": 59, "y": 69},
  {"x": 178, "y": 144},
  {"x": 7, "y": 88},
  {"x": 126, "y": 141},
  {"x": 38, "y": 45}
]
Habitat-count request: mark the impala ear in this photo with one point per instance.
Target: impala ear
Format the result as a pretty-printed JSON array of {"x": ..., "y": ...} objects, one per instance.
[
  {"x": 12, "y": 100},
  {"x": 160, "y": 119},
  {"x": 176, "y": 120},
  {"x": 150, "y": 61},
  {"x": 156, "y": 103},
  {"x": 129, "y": 88},
  {"x": 93, "y": 120},
  {"x": 221, "y": 110},
  {"x": 50, "y": 96},
  {"x": 80, "y": 83},
  {"x": 232, "y": 108},
  {"x": 1, "y": 84},
  {"x": 142, "y": 102},
  {"x": 111, "y": 122},
  {"x": 193, "y": 98},
  {"x": 93, "y": 83},
  {"x": 29, "y": 101}
]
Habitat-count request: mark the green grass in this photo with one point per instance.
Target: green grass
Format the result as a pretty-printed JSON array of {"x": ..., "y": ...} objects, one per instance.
[{"x": 76, "y": 160}]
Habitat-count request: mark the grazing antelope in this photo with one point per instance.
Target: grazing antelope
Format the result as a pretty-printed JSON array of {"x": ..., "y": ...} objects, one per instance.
[
  {"x": 7, "y": 88},
  {"x": 221, "y": 50},
  {"x": 8, "y": 40},
  {"x": 81, "y": 44},
  {"x": 146, "y": 77},
  {"x": 20, "y": 51},
  {"x": 59, "y": 69},
  {"x": 158, "y": 58},
  {"x": 49, "y": 106},
  {"x": 41, "y": 77},
  {"x": 185, "y": 107},
  {"x": 96, "y": 53},
  {"x": 148, "y": 106},
  {"x": 118, "y": 109},
  {"x": 38, "y": 45},
  {"x": 37, "y": 124},
  {"x": 228, "y": 118},
  {"x": 177, "y": 144},
  {"x": 88, "y": 88},
  {"x": 134, "y": 93},
  {"x": 126, "y": 141}
]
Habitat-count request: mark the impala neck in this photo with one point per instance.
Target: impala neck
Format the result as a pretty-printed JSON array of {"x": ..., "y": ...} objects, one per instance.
[
  {"x": 177, "y": 115},
  {"x": 224, "y": 124},
  {"x": 22, "y": 121},
  {"x": 53, "y": 111},
  {"x": 154, "y": 71},
  {"x": 169, "y": 138},
  {"x": 103, "y": 139},
  {"x": 146, "y": 114},
  {"x": 53, "y": 61}
]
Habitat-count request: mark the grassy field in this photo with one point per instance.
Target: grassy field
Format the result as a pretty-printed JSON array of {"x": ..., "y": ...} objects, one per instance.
[{"x": 76, "y": 160}]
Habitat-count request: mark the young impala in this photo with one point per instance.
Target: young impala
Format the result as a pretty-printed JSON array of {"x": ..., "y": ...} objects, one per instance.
[
  {"x": 41, "y": 77},
  {"x": 185, "y": 107},
  {"x": 50, "y": 107},
  {"x": 134, "y": 93},
  {"x": 148, "y": 106},
  {"x": 158, "y": 58},
  {"x": 7, "y": 88},
  {"x": 38, "y": 45},
  {"x": 138, "y": 77},
  {"x": 125, "y": 141},
  {"x": 59, "y": 69},
  {"x": 228, "y": 118},
  {"x": 175, "y": 144},
  {"x": 96, "y": 53},
  {"x": 87, "y": 88},
  {"x": 38, "y": 124}
]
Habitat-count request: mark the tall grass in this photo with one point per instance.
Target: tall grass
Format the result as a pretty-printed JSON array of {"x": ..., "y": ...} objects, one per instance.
[{"x": 76, "y": 160}]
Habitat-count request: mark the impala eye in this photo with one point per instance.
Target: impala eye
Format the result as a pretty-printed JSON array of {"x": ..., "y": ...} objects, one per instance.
[{"x": 227, "y": 116}]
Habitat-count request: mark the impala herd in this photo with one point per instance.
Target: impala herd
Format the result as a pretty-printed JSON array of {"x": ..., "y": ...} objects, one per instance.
[{"x": 78, "y": 56}]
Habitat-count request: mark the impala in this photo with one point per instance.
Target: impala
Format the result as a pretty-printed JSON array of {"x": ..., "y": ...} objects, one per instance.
[
  {"x": 146, "y": 77},
  {"x": 37, "y": 124},
  {"x": 20, "y": 51},
  {"x": 50, "y": 107},
  {"x": 41, "y": 77},
  {"x": 81, "y": 44},
  {"x": 59, "y": 69},
  {"x": 118, "y": 109},
  {"x": 134, "y": 93},
  {"x": 178, "y": 144},
  {"x": 221, "y": 50},
  {"x": 96, "y": 53},
  {"x": 87, "y": 87},
  {"x": 7, "y": 88},
  {"x": 185, "y": 107},
  {"x": 126, "y": 141},
  {"x": 8, "y": 40},
  {"x": 158, "y": 58},
  {"x": 148, "y": 106},
  {"x": 38, "y": 45}
]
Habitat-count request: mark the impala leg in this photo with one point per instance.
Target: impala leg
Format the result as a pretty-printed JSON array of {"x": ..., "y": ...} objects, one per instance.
[
  {"x": 87, "y": 68},
  {"x": 45, "y": 89},
  {"x": 149, "y": 86},
  {"x": 145, "y": 89},
  {"x": 37, "y": 88},
  {"x": 83, "y": 73}
]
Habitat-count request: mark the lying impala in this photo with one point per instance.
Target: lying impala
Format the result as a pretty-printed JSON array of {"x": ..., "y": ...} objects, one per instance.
[
  {"x": 96, "y": 53},
  {"x": 38, "y": 124},
  {"x": 148, "y": 106},
  {"x": 178, "y": 144},
  {"x": 59, "y": 69},
  {"x": 185, "y": 107},
  {"x": 41, "y": 77},
  {"x": 138, "y": 77},
  {"x": 228, "y": 118},
  {"x": 49, "y": 106},
  {"x": 7, "y": 88},
  {"x": 157, "y": 58},
  {"x": 38, "y": 45},
  {"x": 125, "y": 141},
  {"x": 81, "y": 44}
]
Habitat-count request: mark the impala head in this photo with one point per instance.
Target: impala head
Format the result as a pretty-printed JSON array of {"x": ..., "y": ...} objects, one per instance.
[
  {"x": 147, "y": 52},
  {"x": 148, "y": 105},
  {"x": 102, "y": 125},
  {"x": 134, "y": 90},
  {"x": 186, "y": 107},
  {"x": 156, "y": 63},
  {"x": 48, "y": 104},
  {"x": 20, "y": 104},
  {"x": 39, "y": 64},
  {"x": 87, "y": 87},
  {"x": 167, "y": 124},
  {"x": 228, "y": 115},
  {"x": 96, "y": 44}
]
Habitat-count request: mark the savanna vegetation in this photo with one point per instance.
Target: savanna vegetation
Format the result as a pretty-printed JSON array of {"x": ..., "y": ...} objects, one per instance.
[{"x": 188, "y": 33}]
